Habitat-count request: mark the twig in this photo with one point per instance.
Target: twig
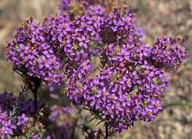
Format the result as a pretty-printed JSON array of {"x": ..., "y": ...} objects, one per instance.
[
  {"x": 24, "y": 89},
  {"x": 106, "y": 131}
]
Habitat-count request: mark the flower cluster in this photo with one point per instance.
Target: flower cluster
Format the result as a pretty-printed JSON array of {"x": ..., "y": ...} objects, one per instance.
[
  {"x": 26, "y": 106},
  {"x": 6, "y": 124},
  {"x": 35, "y": 50},
  {"x": 7, "y": 101},
  {"x": 64, "y": 5},
  {"x": 139, "y": 32},
  {"x": 89, "y": 2},
  {"x": 130, "y": 83},
  {"x": 117, "y": 26},
  {"x": 49, "y": 51},
  {"x": 10, "y": 125},
  {"x": 61, "y": 115},
  {"x": 95, "y": 9},
  {"x": 62, "y": 122},
  {"x": 168, "y": 53},
  {"x": 79, "y": 7},
  {"x": 14, "y": 117},
  {"x": 131, "y": 77}
]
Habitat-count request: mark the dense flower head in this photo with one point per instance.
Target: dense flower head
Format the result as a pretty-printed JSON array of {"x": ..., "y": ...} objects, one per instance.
[
  {"x": 168, "y": 52},
  {"x": 126, "y": 91},
  {"x": 117, "y": 26},
  {"x": 9, "y": 125},
  {"x": 129, "y": 85},
  {"x": 38, "y": 50},
  {"x": 6, "y": 124},
  {"x": 56, "y": 50}
]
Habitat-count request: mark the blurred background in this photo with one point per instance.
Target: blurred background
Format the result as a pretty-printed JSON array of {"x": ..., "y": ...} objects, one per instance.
[{"x": 158, "y": 18}]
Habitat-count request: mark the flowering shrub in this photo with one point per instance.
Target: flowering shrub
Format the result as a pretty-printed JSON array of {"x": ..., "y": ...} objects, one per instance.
[
  {"x": 14, "y": 121},
  {"x": 129, "y": 82}
]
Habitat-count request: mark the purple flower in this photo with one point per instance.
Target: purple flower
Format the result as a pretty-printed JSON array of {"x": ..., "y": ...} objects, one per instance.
[
  {"x": 22, "y": 119},
  {"x": 139, "y": 31},
  {"x": 83, "y": 41},
  {"x": 126, "y": 82},
  {"x": 3, "y": 132}
]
